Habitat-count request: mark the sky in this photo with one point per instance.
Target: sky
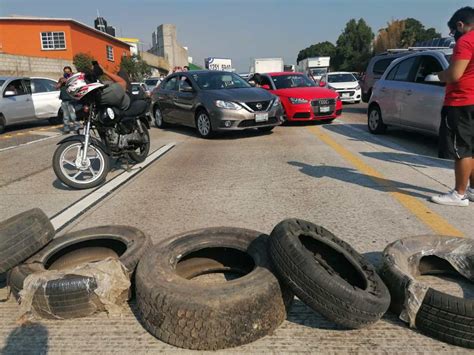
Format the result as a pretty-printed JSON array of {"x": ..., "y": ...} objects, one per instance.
[{"x": 241, "y": 29}]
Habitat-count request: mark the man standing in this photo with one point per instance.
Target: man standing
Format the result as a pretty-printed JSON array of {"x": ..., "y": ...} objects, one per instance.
[
  {"x": 457, "y": 124},
  {"x": 67, "y": 108}
]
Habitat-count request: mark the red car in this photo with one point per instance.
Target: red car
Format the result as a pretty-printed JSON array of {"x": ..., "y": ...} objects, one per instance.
[{"x": 301, "y": 98}]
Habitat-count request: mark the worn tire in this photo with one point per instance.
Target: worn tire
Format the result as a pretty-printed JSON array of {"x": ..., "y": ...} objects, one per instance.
[
  {"x": 73, "y": 295},
  {"x": 327, "y": 274},
  {"x": 441, "y": 316},
  {"x": 194, "y": 315},
  {"x": 23, "y": 235}
]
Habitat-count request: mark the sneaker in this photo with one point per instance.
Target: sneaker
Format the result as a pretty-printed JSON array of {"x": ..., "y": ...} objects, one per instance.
[
  {"x": 470, "y": 194},
  {"x": 451, "y": 199}
]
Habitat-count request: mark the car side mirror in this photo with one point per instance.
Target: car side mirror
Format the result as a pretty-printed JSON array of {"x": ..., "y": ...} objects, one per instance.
[
  {"x": 9, "y": 93},
  {"x": 432, "y": 78},
  {"x": 322, "y": 84},
  {"x": 266, "y": 87}
]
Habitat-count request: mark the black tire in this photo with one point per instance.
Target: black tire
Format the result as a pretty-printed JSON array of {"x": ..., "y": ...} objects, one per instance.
[
  {"x": 208, "y": 316},
  {"x": 266, "y": 129},
  {"x": 73, "y": 295},
  {"x": 206, "y": 122},
  {"x": 144, "y": 149},
  {"x": 3, "y": 124},
  {"x": 328, "y": 274},
  {"x": 64, "y": 179},
  {"x": 441, "y": 316},
  {"x": 23, "y": 235},
  {"x": 159, "y": 123},
  {"x": 375, "y": 122},
  {"x": 58, "y": 119}
]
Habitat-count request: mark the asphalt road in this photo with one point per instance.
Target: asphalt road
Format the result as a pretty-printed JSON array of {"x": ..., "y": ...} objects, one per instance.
[{"x": 368, "y": 190}]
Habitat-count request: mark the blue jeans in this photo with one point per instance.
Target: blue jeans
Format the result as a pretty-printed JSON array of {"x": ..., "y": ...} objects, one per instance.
[{"x": 69, "y": 114}]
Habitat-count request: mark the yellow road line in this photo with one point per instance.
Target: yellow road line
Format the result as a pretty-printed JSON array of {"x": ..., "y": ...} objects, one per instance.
[
  {"x": 30, "y": 132},
  {"x": 437, "y": 223}
]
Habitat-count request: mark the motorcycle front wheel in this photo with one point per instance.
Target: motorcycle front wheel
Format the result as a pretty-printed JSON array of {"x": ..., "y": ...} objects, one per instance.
[
  {"x": 72, "y": 171},
  {"x": 139, "y": 155}
]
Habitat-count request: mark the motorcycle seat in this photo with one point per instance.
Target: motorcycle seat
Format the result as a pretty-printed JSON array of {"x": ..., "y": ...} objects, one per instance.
[{"x": 137, "y": 108}]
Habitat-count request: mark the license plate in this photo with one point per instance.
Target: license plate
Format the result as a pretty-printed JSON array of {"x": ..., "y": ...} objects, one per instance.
[
  {"x": 261, "y": 117},
  {"x": 325, "y": 109},
  {"x": 346, "y": 94}
]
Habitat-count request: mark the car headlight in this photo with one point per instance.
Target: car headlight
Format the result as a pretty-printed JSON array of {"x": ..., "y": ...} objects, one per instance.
[
  {"x": 357, "y": 87},
  {"x": 276, "y": 102},
  {"x": 296, "y": 101},
  {"x": 228, "y": 105}
]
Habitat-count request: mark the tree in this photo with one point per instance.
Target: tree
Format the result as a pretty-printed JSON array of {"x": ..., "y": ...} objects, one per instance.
[
  {"x": 354, "y": 46},
  {"x": 321, "y": 49},
  {"x": 389, "y": 37},
  {"x": 415, "y": 32},
  {"x": 83, "y": 61},
  {"x": 136, "y": 67}
]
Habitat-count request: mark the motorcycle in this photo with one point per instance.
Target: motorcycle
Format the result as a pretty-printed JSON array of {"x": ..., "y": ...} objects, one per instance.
[{"x": 82, "y": 161}]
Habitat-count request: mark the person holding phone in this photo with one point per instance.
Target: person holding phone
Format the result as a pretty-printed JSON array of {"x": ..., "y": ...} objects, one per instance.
[{"x": 67, "y": 107}]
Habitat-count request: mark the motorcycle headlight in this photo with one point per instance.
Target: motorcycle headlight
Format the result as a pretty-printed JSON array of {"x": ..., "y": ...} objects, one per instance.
[
  {"x": 276, "y": 102},
  {"x": 110, "y": 113},
  {"x": 297, "y": 101},
  {"x": 229, "y": 105}
]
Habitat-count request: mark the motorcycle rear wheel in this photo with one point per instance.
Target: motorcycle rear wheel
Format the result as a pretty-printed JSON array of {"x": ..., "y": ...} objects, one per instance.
[
  {"x": 140, "y": 156},
  {"x": 92, "y": 174}
]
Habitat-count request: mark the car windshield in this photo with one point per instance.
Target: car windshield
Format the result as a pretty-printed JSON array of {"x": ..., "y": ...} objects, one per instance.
[
  {"x": 318, "y": 72},
  {"x": 217, "y": 80},
  {"x": 135, "y": 87},
  {"x": 341, "y": 78},
  {"x": 292, "y": 81}
]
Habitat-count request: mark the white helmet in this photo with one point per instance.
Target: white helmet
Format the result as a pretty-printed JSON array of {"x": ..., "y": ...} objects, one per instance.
[{"x": 77, "y": 86}]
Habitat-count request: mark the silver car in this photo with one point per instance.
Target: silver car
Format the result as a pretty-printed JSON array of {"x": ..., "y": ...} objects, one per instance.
[
  {"x": 28, "y": 99},
  {"x": 214, "y": 101},
  {"x": 408, "y": 95}
]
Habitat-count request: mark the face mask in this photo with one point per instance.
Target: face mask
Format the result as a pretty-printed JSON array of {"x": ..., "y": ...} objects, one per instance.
[{"x": 67, "y": 75}]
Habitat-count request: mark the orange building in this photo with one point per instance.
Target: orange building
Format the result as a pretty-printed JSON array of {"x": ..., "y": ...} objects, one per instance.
[{"x": 59, "y": 39}]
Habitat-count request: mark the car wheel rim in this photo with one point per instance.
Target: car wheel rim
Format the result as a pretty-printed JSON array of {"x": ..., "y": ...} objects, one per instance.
[
  {"x": 158, "y": 118},
  {"x": 374, "y": 119},
  {"x": 70, "y": 166},
  {"x": 204, "y": 126}
]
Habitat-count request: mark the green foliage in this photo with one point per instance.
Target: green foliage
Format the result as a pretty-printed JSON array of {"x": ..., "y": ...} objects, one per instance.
[
  {"x": 83, "y": 61},
  {"x": 354, "y": 46},
  {"x": 136, "y": 67},
  {"x": 415, "y": 31},
  {"x": 322, "y": 49}
]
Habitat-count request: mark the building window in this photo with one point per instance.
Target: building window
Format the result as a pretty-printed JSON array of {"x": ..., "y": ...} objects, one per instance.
[
  {"x": 110, "y": 53},
  {"x": 51, "y": 41}
]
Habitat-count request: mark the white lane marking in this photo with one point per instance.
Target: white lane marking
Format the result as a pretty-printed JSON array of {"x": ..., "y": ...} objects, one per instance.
[
  {"x": 28, "y": 143},
  {"x": 76, "y": 209}
]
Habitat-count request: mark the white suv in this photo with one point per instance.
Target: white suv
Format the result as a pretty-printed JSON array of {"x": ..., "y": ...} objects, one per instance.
[
  {"x": 408, "y": 95},
  {"x": 28, "y": 99}
]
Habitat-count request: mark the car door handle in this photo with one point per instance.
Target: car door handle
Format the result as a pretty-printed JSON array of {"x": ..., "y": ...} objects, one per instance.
[{"x": 408, "y": 92}]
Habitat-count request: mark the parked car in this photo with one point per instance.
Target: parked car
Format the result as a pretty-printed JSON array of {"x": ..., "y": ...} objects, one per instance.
[
  {"x": 152, "y": 83},
  {"x": 138, "y": 87},
  {"x": 301, "y": 98},
  {"x": 375, "y": 70},
  {"x": 214, "y": 101},
  {"x": 28, "y": 99},
  {"x": 408, "y": 95},
  {"x": 345, "y": 84}
]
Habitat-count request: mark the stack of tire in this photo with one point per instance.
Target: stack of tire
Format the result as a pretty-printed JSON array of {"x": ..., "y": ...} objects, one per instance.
[
  {"x": 297, "y": 258},
  {"x": 27, "y": 247}
]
